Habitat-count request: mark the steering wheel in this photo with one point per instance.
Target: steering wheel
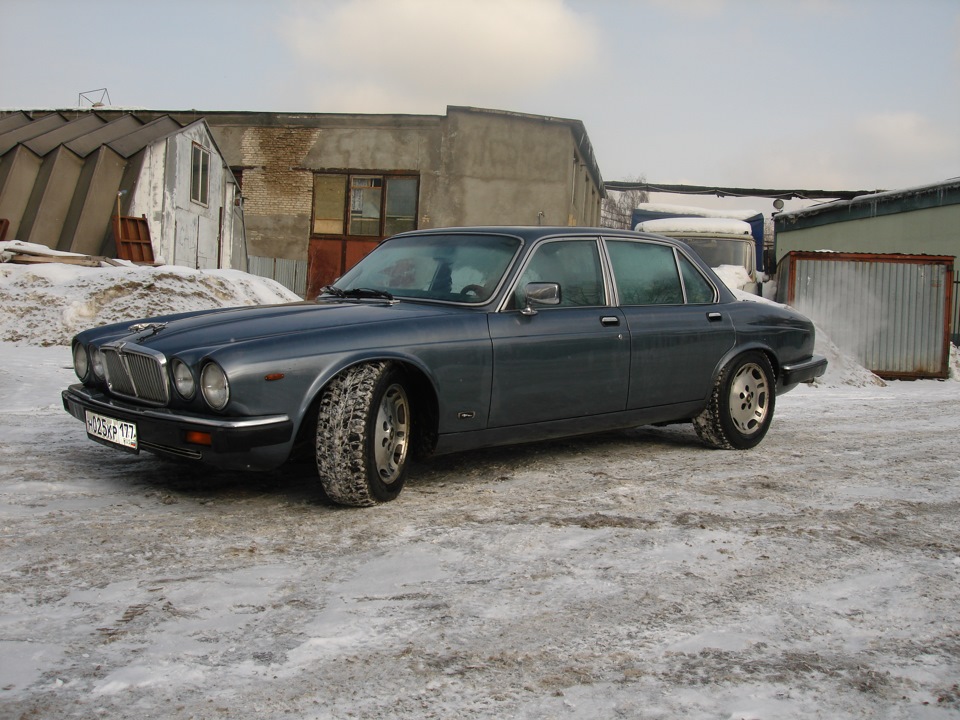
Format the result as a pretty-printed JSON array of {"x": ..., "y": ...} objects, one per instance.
[{"x": 472, "y": 290}]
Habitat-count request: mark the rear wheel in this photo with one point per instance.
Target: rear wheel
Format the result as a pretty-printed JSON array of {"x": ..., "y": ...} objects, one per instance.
[
  {"x": 741, "y": 406},
  {"x": 363, "y": 435}
]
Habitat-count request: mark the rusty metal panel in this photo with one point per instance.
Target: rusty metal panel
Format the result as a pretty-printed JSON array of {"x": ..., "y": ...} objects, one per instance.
[
  {"x": 132, "y": 237},
  {"x": 892, "y": 312}
]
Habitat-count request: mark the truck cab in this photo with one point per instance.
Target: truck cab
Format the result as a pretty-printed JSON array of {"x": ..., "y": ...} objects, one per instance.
[{"x": 725, "y": 244}]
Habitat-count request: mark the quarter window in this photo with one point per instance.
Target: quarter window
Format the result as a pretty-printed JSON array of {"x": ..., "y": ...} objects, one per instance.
[
  {"x": 200, "y": 175},
  {"x": 698, "y": 289}
]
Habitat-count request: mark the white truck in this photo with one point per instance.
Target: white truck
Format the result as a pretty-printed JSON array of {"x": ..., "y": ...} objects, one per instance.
[{"x": 725, "y": 244}]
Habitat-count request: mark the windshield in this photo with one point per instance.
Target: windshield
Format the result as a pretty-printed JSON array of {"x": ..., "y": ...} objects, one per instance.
[
  {"x": 453, "y": 268},
  {"x": 717, "y": 251}
]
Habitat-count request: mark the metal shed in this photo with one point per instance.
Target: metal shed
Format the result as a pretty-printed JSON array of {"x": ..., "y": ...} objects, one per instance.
[{"x": 890, "y": 311}]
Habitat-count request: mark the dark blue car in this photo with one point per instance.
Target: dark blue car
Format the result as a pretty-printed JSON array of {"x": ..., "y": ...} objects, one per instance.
[{"x": 445, "y": 340}]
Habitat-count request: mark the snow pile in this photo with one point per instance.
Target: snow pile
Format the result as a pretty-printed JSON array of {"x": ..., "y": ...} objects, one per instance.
[
  {"x": 46, "y": 304},
  {"x": 733, "y": 276},
  {"x": 843, "y": 370}
]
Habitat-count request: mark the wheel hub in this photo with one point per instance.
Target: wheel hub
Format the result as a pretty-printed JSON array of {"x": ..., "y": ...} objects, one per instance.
[
  {"x": 748, "y": 399},
  {"x": 392, "y": 433}
]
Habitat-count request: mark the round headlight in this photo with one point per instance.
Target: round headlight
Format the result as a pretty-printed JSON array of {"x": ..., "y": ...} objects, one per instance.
[
  {"x": 183, "y": 379},
  {"x": 96, "y": 362},
  {"x": 214, "y": 386},
  {"x": 81, "y": 364}
]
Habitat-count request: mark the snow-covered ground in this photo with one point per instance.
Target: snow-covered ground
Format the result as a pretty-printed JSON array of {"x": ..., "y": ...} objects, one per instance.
[{"x": 630, "y": 574}]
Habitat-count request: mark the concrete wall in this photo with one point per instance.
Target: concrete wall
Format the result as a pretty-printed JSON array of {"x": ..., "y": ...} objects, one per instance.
[
  {"x": 475, "y": 167},
  {"x": 504, "y": 170}
]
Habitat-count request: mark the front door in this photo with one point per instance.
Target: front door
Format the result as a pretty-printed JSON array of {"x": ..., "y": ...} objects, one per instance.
[{"x": 565, "y": 361}]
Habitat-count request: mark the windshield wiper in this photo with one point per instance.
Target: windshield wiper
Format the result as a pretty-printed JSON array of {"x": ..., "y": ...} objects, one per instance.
[{"x": 357, "y": 293}]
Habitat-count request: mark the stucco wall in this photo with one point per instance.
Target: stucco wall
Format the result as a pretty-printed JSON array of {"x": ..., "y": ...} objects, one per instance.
[
  {"x": 504, "y": 170},
  {"x": 475, "y": 167}
]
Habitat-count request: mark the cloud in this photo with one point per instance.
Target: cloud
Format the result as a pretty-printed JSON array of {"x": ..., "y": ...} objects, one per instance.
[
  {"x": 420, "y": 55},
  {"x": 886, "y": 150}
]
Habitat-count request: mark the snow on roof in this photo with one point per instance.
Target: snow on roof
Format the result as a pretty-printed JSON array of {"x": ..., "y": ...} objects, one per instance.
[
  {"x": 691, "y": 211},
  {"x": 696, "y": 225},
  {"x": 878, "y": 197}
]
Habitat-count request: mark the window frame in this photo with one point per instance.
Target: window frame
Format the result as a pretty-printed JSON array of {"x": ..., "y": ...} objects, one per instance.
[
  {"x": 348, "y": 178},
  {"x": 678, "y": 253},
  {"x": 510, "y": 302},
  {"x": 200, "y": 176}
]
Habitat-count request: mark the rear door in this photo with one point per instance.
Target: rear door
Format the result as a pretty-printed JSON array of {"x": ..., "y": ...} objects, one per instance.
[{"x": 678, "y": 332}]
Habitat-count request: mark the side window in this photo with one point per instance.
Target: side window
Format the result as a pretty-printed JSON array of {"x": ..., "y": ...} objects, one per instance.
[
  {"x": 646, "y": 273},
  {"x": 574, "y": 264},
  {"x": 697, "y": 287},
  {"x": 199, "y": 174}
]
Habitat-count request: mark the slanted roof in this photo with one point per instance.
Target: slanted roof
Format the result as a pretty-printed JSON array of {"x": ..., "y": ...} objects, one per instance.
[
  {"x": 86, "y": 144},
  {"x": 42, "y": 144},
  {"x": 889, "y": 202},
  {"x": 133, "y": 142},
  {"x": 30, "y": 130}
]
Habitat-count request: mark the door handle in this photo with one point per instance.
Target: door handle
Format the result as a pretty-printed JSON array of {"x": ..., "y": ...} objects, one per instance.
[
  {"x": 714, "y": 316},
  {"x": 609, "y": 321}
]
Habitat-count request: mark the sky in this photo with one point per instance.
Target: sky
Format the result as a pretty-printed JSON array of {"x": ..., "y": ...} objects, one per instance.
[{"x": 815, "y": 94}]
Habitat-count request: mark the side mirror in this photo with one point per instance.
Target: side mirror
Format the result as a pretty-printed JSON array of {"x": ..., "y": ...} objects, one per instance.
[{"x": 540, "y": 293}]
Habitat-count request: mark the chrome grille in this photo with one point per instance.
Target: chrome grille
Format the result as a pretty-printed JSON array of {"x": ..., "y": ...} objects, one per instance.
[{"x": 137, "y": 373}]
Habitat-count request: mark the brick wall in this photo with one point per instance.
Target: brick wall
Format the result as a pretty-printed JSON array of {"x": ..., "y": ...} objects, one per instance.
[{"x": 273, "y": 182}]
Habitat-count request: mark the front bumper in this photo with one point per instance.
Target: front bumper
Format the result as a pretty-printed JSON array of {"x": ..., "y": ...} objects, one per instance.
[
  {"x": 793, "y": 374},
  {"x": 259, "y": 442}
]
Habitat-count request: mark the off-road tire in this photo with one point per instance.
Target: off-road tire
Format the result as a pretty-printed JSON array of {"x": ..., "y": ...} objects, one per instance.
[
  {"x": 741, "y": 405},
  {"x": 363, "y": 435}
]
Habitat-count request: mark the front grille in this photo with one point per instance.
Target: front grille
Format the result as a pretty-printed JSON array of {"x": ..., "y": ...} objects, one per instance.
[{"x": 137, "y": 373}]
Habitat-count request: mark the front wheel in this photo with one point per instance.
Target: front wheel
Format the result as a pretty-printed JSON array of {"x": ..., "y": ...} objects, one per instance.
[
  {"x": 741, "y": 406},
  {"x": 363, "y": 435}
]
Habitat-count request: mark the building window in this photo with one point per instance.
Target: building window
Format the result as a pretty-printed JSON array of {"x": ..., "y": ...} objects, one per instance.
[
  {"x": 200, "y": 175},
  {"x": 364, "y": 205}
]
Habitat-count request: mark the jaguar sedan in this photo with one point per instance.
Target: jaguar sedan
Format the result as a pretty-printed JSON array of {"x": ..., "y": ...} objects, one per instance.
[{"x": 446, "y": 340}]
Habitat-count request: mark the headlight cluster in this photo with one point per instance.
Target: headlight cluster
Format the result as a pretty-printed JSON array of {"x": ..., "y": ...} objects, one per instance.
[
  {"x": 87, "y": 359},
  {"x": 214, "y": 387}
]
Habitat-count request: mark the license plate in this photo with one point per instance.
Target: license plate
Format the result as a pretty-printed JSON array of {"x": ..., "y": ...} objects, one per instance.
[{"x": 118, "y": 432}]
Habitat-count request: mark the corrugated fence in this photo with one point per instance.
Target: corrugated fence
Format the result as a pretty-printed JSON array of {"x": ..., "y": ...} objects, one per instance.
[
  {"x": 292, "y": 274},
  {"x": 892, "y": 312}
]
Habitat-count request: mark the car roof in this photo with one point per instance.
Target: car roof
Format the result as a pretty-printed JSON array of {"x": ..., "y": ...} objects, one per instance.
[{"x": 535, "y": 232}]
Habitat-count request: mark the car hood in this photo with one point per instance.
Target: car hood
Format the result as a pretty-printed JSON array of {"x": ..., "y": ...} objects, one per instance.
[{"x": 236, "y": 325}]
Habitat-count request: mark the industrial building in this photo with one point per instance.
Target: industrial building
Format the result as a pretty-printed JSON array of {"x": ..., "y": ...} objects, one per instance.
[{"x": 879, "y": 272}]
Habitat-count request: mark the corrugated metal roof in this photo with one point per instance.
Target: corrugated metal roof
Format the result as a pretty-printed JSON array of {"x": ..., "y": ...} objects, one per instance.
[
  {"x": 12, "y": 138},
  {"x": 889, "y": 202},
  {"x": 132, "y": 143},
  {"x": 42, "y": 144},
  {"x": 86, "y": 144}
]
